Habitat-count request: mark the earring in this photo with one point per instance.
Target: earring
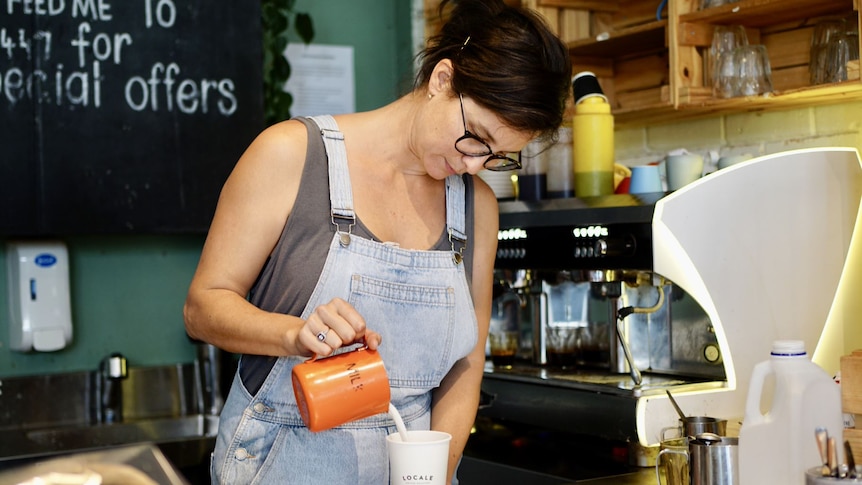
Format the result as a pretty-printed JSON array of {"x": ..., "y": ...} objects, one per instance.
[{"x": 430, "y": 95}]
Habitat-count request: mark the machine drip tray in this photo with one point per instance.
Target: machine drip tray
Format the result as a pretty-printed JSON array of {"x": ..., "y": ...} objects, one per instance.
[
  {"x": 583, "y": 402},
  {"x": 598, "y": 380}
]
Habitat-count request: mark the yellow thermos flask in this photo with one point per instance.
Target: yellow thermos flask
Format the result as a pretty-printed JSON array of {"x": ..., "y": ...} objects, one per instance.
[{"x": 592, "y": 138}]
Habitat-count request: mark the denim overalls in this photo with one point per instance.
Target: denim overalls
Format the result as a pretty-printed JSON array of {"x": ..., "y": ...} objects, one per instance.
[{"x": 418, "y": 301}]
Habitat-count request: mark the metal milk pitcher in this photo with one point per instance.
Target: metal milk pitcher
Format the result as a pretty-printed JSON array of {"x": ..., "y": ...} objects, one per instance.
[{"x": 713, "y": 460}]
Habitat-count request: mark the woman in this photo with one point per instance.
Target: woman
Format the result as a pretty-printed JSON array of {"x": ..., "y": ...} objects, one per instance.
[{"x": 377, "y": 235}]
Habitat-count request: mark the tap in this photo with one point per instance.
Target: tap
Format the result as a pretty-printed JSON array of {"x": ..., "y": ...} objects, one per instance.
[
  {"x": 113, "y": 369},
  {"x": 209, "y": 375}
]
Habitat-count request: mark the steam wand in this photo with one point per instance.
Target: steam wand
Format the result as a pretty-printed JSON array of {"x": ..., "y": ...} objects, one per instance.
[
  {"x": 621, "y": 315},
  {"x": 626, "y": 311},
  {"x": 636, "y": 374}
]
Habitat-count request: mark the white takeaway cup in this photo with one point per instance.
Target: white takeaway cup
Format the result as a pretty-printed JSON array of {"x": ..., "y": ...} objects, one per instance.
[{"x": 422, "y": 460}]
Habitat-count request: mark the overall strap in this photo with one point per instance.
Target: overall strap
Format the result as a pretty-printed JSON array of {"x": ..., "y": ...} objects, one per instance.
[
  {"x": 456, "y": 213},
  {"x": 340, "y": 191}
]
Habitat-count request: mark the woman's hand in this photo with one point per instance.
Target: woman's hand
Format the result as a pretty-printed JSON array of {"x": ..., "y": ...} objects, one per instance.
[{"x": 334, "y": 325}]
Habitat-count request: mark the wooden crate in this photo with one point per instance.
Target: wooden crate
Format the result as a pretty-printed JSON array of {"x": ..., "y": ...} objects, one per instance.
[
  {"x": 851, "y": 399},
  {"x": 789, "y": 54}
]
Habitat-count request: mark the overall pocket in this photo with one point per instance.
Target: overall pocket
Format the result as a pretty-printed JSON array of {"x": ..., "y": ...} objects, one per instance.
[{"x": 417, "y": 326}]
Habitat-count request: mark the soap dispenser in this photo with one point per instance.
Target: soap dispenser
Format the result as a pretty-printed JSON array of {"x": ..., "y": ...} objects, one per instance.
[{"x": 40, "y": 309}]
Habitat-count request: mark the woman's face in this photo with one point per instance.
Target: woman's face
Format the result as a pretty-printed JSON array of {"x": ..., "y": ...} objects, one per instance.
[{"x": 485, "y": 129}]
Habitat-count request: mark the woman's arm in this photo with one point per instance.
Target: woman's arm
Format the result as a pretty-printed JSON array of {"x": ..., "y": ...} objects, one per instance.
[
  {"x": 253, "y": 208},
  {"x": 457, "y": 399}
]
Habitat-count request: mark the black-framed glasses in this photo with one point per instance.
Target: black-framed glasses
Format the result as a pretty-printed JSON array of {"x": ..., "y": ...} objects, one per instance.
[{"x": 473, "y": 146}]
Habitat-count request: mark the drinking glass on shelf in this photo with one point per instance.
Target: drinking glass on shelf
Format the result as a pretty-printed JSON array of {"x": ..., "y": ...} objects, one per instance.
[
  {"x": 726, "y": 84},
  {"x": 824, "y": 31},
  {"x": 754, "y": 71},
  {"x": 725, "y": 39},
  {"x": 842, "y": 48},
  {"x": 704, "y": 4}
]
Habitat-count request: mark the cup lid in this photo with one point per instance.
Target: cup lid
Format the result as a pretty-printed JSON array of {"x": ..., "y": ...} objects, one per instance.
[{"x": 585, "y": 85}]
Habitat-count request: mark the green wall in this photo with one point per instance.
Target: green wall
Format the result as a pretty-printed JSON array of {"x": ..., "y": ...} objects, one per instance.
[
  {"x": 379, "y": 31},
  {"x": 127, "y": 291}
]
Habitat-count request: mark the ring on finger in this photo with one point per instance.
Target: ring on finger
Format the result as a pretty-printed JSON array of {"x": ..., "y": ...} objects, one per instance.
[{"x": 322, "y": 335}]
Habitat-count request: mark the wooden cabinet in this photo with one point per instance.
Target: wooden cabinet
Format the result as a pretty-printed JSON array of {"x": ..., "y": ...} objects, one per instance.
[
  {"x": 653, "y": 68},
  {"x": 785, "y": 27},
  {"x": 649, "y": 56}
]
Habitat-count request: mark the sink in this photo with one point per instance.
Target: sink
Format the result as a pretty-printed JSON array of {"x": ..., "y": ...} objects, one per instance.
[
  {"x": 20, "y": 443},
  {"x": 46, "y": 416}
]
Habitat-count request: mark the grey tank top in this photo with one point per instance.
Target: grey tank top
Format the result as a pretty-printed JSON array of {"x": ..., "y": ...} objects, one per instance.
[{"x": 290, "y": 274}]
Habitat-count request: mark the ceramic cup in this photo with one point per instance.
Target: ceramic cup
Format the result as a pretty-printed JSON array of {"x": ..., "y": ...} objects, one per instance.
[
  {"x": 729, "y": 160},
  {"x": 645, "y": 179},
  {"x": 683, "y": 169},
  {"x": 421, "y": 460},
  {"x": 322, "y": 386}
]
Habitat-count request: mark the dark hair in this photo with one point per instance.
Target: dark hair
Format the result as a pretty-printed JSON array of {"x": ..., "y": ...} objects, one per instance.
[{"x": 506, "y": 59}]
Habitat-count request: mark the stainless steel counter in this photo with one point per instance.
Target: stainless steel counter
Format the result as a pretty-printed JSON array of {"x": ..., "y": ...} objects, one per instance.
[
  {"x": 480, "y": 472},
  {"x": 643, "y": 476}
]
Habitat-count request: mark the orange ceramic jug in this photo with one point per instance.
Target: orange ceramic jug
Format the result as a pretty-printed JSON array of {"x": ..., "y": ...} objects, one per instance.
[{"x": 345, "y": 387}]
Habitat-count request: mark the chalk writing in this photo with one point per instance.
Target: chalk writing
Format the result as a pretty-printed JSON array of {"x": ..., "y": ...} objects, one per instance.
[
  {"x": 68, "y": 66},
  {"x": 165, "y": 11}
]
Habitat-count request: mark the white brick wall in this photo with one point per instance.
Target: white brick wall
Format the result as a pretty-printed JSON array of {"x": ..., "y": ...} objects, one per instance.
[{"x": 759, "y": 133}]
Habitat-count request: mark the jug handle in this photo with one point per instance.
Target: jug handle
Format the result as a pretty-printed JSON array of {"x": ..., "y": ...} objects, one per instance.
[
  {"x": 755, "y": 390},
  {"x": 666, "y": 428},
  {"x": 658, "y": 461},
  {"x": 317, "y": 356}
]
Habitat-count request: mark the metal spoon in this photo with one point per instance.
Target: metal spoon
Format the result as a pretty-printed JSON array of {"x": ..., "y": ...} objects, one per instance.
[{"x": 675, "y": 405}]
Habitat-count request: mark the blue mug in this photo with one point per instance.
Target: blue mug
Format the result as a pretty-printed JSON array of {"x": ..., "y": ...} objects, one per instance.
[{"x": 645, "y": 179}]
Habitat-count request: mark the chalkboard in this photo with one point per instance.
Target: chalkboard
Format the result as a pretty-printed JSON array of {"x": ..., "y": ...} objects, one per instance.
[{"x": 126, "y": 115}]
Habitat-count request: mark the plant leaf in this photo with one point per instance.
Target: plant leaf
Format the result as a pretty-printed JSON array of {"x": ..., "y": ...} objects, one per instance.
[{"x": 304, "y": 27}]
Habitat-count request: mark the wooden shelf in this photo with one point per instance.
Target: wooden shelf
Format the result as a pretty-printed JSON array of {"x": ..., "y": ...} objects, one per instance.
[
  {"x": 701, "y": 104},
  {"x": 642, "y": 38},
  {"x": 595, "y": 5},
  {"x": 761, "y": 13},
  {"x": 701, "y": 98}
]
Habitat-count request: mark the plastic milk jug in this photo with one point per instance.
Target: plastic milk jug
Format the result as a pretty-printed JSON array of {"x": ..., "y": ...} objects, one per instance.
[{"x": 777, "y": 447}]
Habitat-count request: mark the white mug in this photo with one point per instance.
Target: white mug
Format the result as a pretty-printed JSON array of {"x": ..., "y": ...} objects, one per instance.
[{"x": 683, "y": 169}]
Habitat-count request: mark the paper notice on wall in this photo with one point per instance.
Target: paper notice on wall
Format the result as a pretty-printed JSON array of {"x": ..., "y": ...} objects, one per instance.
[{"x": 321, "y": 79}]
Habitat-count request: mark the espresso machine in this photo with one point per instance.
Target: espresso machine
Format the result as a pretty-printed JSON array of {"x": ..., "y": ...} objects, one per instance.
[{"x": 679, "y": 293}]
